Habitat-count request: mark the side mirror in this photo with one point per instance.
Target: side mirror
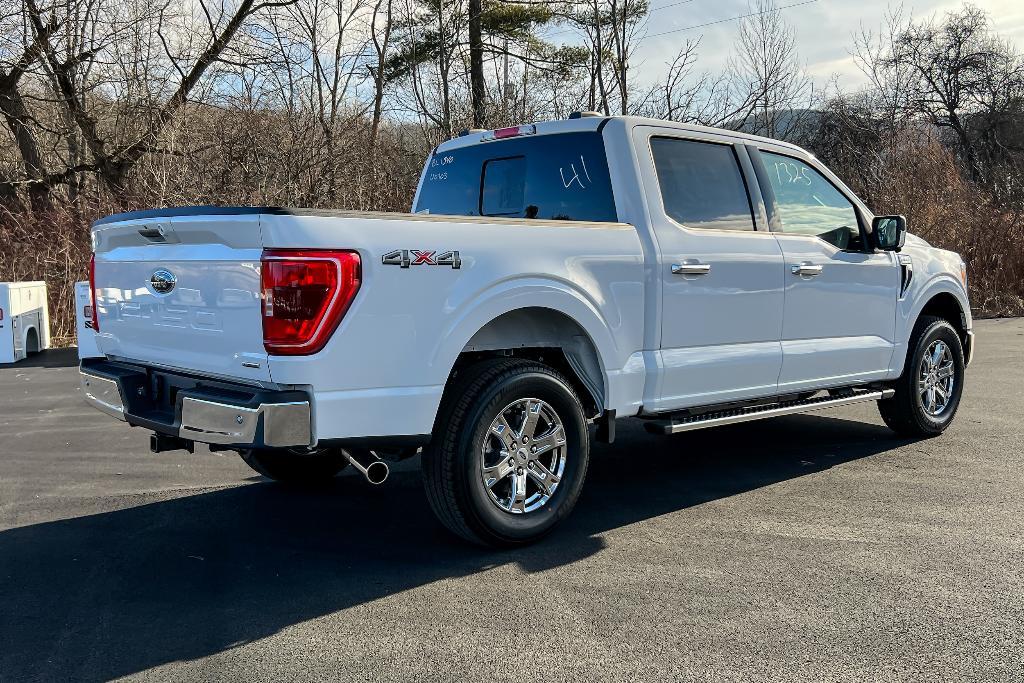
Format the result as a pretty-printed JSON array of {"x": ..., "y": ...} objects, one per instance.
[{"x": 889, "y": 232}]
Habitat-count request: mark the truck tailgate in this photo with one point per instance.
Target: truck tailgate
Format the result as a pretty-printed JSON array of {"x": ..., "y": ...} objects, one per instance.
[{"x": 182, "y": 293}]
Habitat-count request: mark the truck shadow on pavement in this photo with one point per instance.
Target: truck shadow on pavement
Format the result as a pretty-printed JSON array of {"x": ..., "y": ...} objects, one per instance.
[{"x": 107, "y": 595}]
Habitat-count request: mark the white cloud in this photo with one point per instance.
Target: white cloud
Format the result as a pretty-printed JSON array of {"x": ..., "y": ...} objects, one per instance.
[{"x": 824, "y": 31}]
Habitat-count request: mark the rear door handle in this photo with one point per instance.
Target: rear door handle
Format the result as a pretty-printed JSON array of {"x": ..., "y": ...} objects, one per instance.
[
  {"x": 806, "y": 269},
  {"x": 691, "y": 268}
]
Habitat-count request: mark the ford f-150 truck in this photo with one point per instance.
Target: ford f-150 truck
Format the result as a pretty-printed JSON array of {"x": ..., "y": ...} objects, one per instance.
[{"x": 551, "y": 279}]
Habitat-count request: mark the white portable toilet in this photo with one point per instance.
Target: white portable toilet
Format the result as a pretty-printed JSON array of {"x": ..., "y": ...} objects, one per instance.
[
  {"x": 83, "y": 322},
  {"x": 24, "y": 320}
]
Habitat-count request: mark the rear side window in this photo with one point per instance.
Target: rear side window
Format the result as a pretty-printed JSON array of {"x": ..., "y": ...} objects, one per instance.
[
  {"x": 701, "y": 184},
  {"x": 560, "y": 177}
]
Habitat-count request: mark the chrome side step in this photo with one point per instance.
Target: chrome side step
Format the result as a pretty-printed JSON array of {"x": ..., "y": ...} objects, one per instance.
[{"x": 731, "y": 416}]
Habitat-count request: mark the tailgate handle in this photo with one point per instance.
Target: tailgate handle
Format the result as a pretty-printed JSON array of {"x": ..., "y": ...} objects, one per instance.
[{"x": 159, "y": 234}]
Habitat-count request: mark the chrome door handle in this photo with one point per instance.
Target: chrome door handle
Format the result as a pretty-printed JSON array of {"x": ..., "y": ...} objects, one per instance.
[
  {"x": 691, "y": 268},
  {"x": 806, "y": 269}
]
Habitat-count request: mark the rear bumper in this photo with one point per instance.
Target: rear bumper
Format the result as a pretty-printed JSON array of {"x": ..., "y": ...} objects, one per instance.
[{"x": 197, "y": 409}]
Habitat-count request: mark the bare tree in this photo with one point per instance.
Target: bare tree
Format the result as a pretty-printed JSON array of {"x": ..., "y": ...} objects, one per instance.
[
  {"x": 381, "y": 38},
  {"x": 956, "y": 74},
  {"x": 767, "y": 74}
]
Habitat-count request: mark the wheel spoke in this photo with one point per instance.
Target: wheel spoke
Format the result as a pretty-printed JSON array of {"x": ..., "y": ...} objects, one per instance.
[
  {"x": 945, "y": 371},
  {"x": 531, "y": 415},
  {"x": 937, "y": 352},
  {"x": 552, "y": 439},
  {"x": 930, "y": 404},
  {"x": 543, "y": 476},
  {"x": 495, "y": 473},
  {"x": 518, "y": 502},
  {"x": 503, "y": 431}
]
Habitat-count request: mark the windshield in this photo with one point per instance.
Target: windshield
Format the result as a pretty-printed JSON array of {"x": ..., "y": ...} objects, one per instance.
[{"x": 560, "y": 177}]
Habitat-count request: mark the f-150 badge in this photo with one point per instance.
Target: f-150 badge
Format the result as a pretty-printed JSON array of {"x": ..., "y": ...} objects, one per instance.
[{"x": 416, "y": 257}]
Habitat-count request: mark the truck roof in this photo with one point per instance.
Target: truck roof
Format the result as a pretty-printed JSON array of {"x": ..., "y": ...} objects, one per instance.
[{"x": 595, "y": 123}]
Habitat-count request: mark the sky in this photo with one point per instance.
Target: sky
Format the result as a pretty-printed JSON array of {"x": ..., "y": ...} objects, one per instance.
[{"x": 824, "y": 31}]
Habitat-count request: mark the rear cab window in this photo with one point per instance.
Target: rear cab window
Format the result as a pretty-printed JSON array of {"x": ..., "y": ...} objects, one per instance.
[{"x": 559, "y": 176}]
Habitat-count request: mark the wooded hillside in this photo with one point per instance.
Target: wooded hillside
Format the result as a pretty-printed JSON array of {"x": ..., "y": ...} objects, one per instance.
[{"x": 117, "y": 104}]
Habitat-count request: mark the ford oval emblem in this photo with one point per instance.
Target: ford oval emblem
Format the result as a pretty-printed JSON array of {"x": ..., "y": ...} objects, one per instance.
[{"x": 162, "y": 281}]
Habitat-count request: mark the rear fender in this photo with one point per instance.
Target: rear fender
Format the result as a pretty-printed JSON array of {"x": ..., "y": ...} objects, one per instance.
[{"x": 518, "y": 294}]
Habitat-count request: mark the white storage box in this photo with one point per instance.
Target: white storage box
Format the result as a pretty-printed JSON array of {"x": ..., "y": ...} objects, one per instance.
[
  {"x": 24, "y": 320},
  {"x": 83, "y": 322}
]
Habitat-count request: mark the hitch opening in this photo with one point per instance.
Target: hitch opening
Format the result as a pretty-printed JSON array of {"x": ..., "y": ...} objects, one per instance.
[{"x": 160, "y": 443}]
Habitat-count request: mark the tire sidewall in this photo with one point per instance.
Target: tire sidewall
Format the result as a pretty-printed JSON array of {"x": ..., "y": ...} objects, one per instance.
[
  {"x": 943, "y": 331},
  {"x": 481, "y": 512}
]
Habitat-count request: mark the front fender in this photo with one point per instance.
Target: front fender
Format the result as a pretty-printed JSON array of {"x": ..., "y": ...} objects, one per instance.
[{"x": 927, "y": 288}]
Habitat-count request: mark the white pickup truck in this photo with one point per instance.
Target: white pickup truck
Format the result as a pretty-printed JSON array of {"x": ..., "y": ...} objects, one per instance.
[{"x": 550, "y": 277}]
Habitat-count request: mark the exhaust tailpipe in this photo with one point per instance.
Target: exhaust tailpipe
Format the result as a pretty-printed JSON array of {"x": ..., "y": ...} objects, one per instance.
[{"x": 375, "y": 470}]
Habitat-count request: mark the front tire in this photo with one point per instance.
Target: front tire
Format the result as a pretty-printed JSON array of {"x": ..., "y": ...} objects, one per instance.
[
  {"x": 509, "y": 454},
  {"x": 295, "y": 466},
  {"x": 928, "y": 393}
]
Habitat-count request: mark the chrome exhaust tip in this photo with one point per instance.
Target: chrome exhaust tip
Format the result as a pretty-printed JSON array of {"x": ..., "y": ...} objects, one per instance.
[{"x": 375, "y": 470}]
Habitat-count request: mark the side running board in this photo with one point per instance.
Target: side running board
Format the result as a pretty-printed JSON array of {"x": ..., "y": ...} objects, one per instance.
[{"x": 731, "y": 416}]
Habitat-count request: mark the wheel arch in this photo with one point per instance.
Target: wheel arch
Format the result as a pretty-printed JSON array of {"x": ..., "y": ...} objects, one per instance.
[
  {"x": 945, "y": 305},
  {"x": 549, "y": 336},
  {"x": 536, "y": 316},
  {"x": 943, "y": 297},
  {"x": 32, "y": 341}
]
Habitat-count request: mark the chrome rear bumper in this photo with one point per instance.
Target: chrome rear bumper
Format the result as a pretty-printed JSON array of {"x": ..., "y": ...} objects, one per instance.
[{"x": 196, "y": 411}]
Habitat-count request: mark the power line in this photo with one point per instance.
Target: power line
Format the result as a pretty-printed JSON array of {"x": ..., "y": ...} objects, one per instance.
[
  {"x": 722, "y": 21},
  {"x": 672, "y": 4}
]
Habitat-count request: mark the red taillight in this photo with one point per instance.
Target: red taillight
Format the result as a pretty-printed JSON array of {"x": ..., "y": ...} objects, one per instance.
[
  {"x": 305, "y": 295},
  {"x": 92, "y": 293}
]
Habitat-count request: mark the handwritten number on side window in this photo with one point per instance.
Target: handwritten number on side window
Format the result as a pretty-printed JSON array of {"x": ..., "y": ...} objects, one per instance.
[{"x": 795, "y": 174}]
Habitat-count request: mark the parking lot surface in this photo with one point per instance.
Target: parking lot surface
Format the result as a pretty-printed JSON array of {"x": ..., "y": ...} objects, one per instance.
[{"x": 813, "y": 547}]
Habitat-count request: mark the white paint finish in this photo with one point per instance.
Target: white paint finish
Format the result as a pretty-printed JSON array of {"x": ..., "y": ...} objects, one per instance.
[
  {"x": 704, "y": 375},
  {"x": 719, "y": 331},
  {"x": 407, "y": 326},
  {"x": 832, "y": 362},
  {"x": 936, "y": 272},
  {"x": 25, "y": 308},
  {"x": 838, "y": 325},
  {"x": 210, "y": 323},
  {"x": 388, "y": 411},
  {"x": 625, "y": 387}
]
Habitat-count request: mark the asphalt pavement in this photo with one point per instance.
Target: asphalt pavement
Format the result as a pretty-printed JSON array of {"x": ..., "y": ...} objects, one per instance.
[{"x": 810, "y": 547}]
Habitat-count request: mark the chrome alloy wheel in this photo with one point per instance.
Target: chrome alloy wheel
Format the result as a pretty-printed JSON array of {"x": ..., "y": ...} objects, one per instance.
[
  {"x": 523, "y": 456},
  {"x": 936, "y": 378}
]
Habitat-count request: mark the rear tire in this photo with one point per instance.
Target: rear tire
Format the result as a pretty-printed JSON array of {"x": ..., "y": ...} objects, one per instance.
[
  {"x": 929, "y": 390},
  {"x": 295, "y": 466},
  {"x": 484, "y": 476}
]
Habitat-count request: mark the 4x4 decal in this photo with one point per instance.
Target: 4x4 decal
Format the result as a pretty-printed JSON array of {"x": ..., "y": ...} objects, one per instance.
[{"x": 417, "y": 257}]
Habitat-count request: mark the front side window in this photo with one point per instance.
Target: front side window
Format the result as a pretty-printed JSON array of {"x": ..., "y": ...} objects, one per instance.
[
  {"x": 561, "y": 176},
  {"x": 701, "y": 184},
  {"x": 808, "y": 204}
]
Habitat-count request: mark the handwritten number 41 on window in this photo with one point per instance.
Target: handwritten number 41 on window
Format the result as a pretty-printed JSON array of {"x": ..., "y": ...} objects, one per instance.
[{"x": 574, "y": 176}]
